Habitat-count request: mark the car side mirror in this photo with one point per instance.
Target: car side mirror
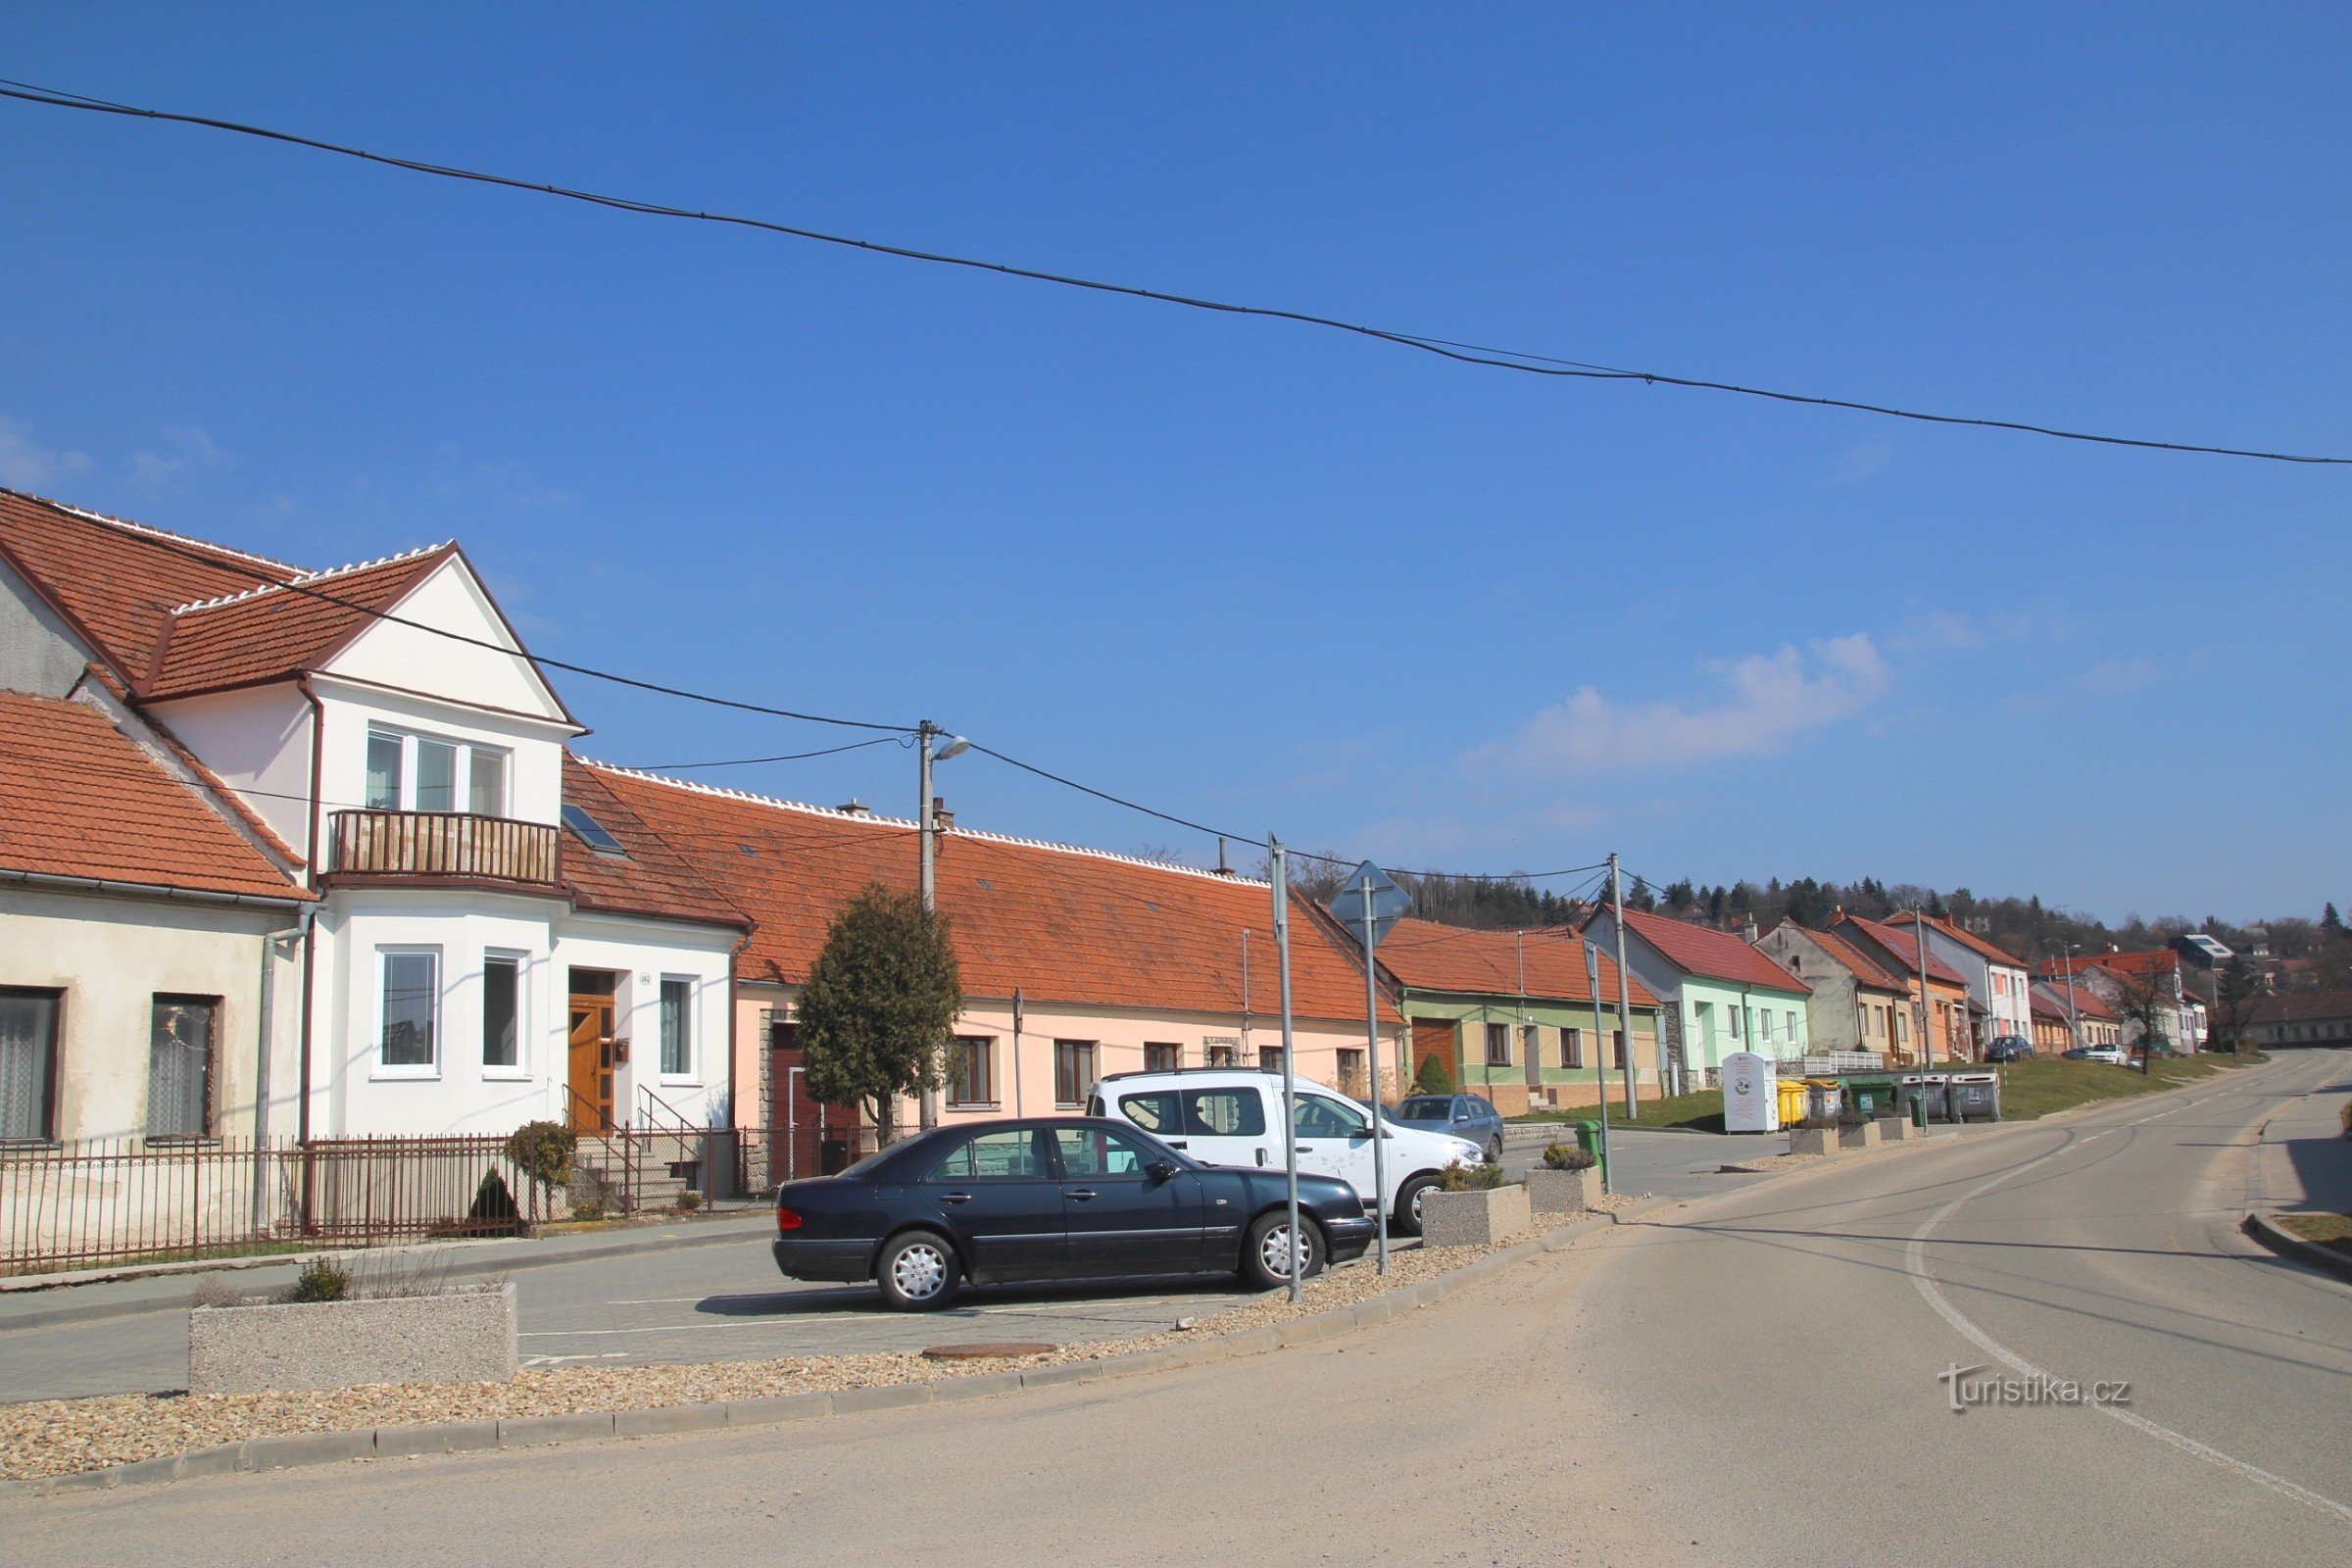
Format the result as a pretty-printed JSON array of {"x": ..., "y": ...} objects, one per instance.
[{"x": 1160, "y": 1170}]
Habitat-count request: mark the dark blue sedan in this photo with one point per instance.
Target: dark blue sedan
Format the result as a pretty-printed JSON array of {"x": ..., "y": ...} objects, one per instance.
[{"x": 1060, "y": 1199}]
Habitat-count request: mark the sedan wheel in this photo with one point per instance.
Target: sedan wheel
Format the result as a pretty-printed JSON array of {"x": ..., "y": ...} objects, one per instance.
[
  {"x": 917, "y": 1272},
  {"x": 1494, "y": 1149},
  {"x": 1266, "y": 1254}
]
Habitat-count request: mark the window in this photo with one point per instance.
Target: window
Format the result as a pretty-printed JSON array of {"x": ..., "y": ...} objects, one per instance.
[
  {"x": 1320, "y": 1116},
  {"x": 180, "y": 1066},
  {"x": 971, "y": 1080},
  {"x": 412, "y": 1006},
  {"x": 1790, "y": 1017},
  {"x": 1499, "y": 1045},
  {"x": 1766, "y": 1017},
  {"x": 409, "y": 772},
  {"x": 677, "y": 1027},
  {"x": 1090, "y": 1153},
  {"x": 1163, "y": 1058},
  {"x": 1009, "y": 1155},
  {"x": 502, "y": 1009},
  {"x": 27, "y": 1061},
  {"x": 1154, "y": 1112},
  {"x": 1738, "y": 1023},
  {"x": 1617, "y": 1048},
  {"x": 1222, "y": 1056},
  {"x": 1353, "y": 1079},
  {"x": 1269, "y": 1058},
  {"x": 1073, "y": 1071},
  {"x": 1572, "y": 1047},
  {"x": 589, "y": 831},
  {"x": 1223, "y": 1113}
]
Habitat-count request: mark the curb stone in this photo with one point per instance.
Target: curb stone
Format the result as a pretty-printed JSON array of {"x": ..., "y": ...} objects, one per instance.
[
  {"x": 2287, "y": 1244},
  {"x": 333, "y": 1448}
]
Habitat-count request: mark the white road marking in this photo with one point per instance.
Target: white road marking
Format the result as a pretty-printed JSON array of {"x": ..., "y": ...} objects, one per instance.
[{"x": 1915, "y": 1262}]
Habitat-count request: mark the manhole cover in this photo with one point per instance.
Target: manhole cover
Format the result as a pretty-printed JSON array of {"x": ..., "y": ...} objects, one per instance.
[{"x": 989, "y": 1349}]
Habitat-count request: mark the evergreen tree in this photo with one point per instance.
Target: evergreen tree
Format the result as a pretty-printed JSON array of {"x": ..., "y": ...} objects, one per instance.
[{"x": 881, "y": 998}]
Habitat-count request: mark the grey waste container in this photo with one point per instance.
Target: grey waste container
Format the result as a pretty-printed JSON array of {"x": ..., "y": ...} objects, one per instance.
[
  {"x": 1927, "y": 1088},
  {"x": 1975, "y": 1097}
]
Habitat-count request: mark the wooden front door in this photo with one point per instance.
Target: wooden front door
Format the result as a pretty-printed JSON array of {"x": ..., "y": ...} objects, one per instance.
[
  {"x": 1434, "y": 1036},
  {"x": 590, "y": 1063}
]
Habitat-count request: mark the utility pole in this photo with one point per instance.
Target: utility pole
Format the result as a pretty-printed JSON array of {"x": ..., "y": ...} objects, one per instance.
[
  {"x": 1380, "y": 1134},
  {"x": 1625, "y": 996},
  {"x": 927, "y": 1106},
  {"x": 1290, "y": 1118},
  {"x": 2074, "y": 1020},
  {"x": 1600, "y": 1059},
  {"x": 1919, "y": 940}
]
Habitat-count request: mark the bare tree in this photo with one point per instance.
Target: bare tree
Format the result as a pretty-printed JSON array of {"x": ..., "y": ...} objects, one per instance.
[{"x": 2146, "y": 1001}]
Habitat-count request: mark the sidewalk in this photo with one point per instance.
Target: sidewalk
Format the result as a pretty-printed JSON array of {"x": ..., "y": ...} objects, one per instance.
[
  {"x": 34, "y": 1299},
  {"x": 2305, "y": 1162}
]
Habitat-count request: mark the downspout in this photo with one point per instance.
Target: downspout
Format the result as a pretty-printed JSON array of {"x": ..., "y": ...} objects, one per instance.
[
  {"x": 262, "y": 1053},
  {"x": 309, "y": 924}
]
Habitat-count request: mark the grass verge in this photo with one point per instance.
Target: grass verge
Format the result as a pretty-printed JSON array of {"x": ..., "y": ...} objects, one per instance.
[
  {"x": 1700, "y": 1113},
  {"x": 2332, "y": 1230}
]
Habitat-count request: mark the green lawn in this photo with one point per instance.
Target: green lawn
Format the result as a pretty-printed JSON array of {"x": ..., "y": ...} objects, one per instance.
[
  {"x": 1702, "y": 1112},
  {"x": 2332, "y": 1230}
]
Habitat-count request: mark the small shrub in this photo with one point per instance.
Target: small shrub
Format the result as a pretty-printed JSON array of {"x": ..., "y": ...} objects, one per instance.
[
  {"x": 690, "y": 1200},
  {"x": 215, "y": 1290},
  {"x": 493, "y": 1212},
  {"x": 1433, "y": 1077},
  {"x": 1460, "y": 1178},
  {"x": 544, "y": 1152},
  {"x": 1567, "y": 1156},
  {"x": 321, "y": 1279}
]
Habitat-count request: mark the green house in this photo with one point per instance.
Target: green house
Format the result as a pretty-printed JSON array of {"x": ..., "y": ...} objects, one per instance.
[{"x": 1719, "y": 994}]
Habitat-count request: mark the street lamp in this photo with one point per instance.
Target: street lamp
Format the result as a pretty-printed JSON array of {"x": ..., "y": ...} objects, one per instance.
[{"x": 931, "y": 745}]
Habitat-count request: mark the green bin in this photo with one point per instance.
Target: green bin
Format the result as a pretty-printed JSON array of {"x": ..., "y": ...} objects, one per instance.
[
  {"x": 1872, "y": 1094},
  {"x": 1588, "y": 1139}
]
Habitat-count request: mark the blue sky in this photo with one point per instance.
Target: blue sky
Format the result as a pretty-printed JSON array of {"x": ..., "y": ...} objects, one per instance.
[{"x": 1257, "y": 574}]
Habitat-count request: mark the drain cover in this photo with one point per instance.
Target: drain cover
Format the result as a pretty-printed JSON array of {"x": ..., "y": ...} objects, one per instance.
[{"x": 989, "y": 1349}]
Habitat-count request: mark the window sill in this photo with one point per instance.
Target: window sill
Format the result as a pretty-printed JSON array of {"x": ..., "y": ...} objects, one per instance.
[
  {"x": 505, "y": 1075},
  {"x": 975, "y": 1104},
  {"x": 1069, "y": 1104},
  {"x": 667, "y": 1082},
  {"x": 405, "y": 1075},
  {"x": 181, "y": 1139}
]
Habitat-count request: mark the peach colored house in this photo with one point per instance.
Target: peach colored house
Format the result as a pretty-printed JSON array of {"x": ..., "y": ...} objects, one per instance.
[{"x": 1119, "y": 965}]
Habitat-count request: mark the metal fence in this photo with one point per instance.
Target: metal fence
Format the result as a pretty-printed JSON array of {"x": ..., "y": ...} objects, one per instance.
[{"x": 768, "y": 1155}]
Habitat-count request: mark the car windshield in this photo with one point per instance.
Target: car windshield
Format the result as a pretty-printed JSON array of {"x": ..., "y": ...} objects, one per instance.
[{"x": 1430, "y": 1109}]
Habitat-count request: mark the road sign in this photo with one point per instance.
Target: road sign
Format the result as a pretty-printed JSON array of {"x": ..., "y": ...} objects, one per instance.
[{"x": 1390, "y": 903}]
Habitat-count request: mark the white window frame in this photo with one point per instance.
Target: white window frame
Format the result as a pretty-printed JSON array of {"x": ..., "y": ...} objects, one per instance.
[
  {"x": 522, "y": 1068},
  {"x": 461, "y": 781},
  {"x": 691, "y": 1078},
  {"x": 427, "y": 1071}
]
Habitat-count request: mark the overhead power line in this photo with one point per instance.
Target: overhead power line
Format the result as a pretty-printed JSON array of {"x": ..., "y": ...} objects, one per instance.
[{"x": 1500, "y": 358}]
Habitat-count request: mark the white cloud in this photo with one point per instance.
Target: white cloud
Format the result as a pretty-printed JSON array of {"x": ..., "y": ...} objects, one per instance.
[
  {"x": 1768, "y": 699},
  {"x": 29, "y": 465},
  {"x": 187, "y": 446}
]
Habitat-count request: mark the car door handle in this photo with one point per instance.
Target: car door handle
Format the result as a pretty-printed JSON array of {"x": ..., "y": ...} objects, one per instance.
[
  {"x": 956, "y": 1198},
  {"x": 1178, "y": 1143},
  {"x": 1083, "y": 1194}
]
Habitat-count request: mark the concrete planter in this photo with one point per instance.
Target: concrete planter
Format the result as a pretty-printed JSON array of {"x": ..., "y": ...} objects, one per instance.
[
  {"x": 465, "y": 1335},
  {"x": 1813, "y": 1141},
  {"x": 1474, "y": 1219},
  {"x": 1864, "y": 1136},
  {"x": 1896, "y": 1129},
  {"x": 1562, "y": 1191}
]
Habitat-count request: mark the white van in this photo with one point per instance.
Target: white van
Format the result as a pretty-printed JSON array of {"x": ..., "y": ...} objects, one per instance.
[{"x": 1228, "y": 1117}]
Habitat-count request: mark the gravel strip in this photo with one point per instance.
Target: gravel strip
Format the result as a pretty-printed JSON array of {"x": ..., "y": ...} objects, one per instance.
[{"x": 61, "y": 1437}]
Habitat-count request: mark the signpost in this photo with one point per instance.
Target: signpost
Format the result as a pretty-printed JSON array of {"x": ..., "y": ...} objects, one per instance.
[{"x": 1369, "y": 904}]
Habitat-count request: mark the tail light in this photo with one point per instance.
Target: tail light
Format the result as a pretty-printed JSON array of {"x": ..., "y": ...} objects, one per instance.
[{"x": 786, "y": 1219}]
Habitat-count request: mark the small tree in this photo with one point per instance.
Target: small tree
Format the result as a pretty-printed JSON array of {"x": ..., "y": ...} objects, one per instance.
[
  {"x": 881, "y": 998},
  {"x": 1433, "y": 1077},
  {"x": 2235, "y": 990},
  {"x": 2144, "y": 1000}
]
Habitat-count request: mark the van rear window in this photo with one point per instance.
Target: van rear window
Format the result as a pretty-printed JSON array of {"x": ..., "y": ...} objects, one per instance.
[{"x": 1196, "y": 1112}]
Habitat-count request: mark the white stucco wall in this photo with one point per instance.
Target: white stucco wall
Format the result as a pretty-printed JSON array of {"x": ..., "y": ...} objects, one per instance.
[
  {"x": 389, "y": 653},
  {"x": 535, "y": 769},
  {"x": 111, "y": 956},
  {"x": 258, "y": 741}
]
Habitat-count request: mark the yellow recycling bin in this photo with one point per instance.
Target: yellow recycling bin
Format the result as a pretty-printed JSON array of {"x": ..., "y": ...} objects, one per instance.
[{"x": 1792, "y": 1101}]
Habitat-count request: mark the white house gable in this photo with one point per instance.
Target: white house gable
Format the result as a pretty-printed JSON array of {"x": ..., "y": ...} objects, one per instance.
[{"x": 411, "y": 658}]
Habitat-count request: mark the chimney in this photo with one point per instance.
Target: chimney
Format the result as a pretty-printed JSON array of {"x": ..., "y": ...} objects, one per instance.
[
  {"x": 941, "y": 818},
  {"x": 856, "y": 808},
  {"x": 1747, "y": 931}
]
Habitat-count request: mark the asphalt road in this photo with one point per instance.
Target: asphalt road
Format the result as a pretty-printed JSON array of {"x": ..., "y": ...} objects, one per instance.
[
  {"x": 727, "y": 1302},
  {"x": 1740, "y": 1379}
]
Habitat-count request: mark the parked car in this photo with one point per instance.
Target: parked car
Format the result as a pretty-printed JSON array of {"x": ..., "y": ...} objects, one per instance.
[
  {"x": 2112, "y": 1056},
  {"x": 1052, "y": 1198},
  {"x": 2008, "y": 1048},
  {"x": 1471, "y": 1116},
  {"x": 1232, "y": 1116}
]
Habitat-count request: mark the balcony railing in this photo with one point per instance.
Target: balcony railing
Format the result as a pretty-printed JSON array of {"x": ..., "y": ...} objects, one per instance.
[{"x": 443, "y": 844}]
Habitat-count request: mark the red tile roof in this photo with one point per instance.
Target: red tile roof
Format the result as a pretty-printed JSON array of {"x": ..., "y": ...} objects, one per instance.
[
  {"x": 1897, "y": 942},
  {"x": 2298, "y": 1006},
  {"x": 1965, "y": 936},
  {"x": 1710, "y": 954},
  {"x": 1064, "y": 924},
  {"x": 652, "y": 879},
  {"x": 2157, "y": 960},
  {"x": 1430, "y": 956},
  {"x": 80, "y": 799},
  {"x": 2051, "y": 1000},
  {"x": 116, "y": 581},
  {"x": 1860, "y": 963},
  {"x": 275, "y": 632}
]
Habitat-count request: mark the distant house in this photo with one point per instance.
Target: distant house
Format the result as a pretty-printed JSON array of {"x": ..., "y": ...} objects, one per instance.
[
  {"x": 1511, "y": 1013},
  {"x": 1854, "y": 1004},
  {"x": 1717, "y": 993},
  {"x": 2061, "y": 1023},
  {"x": 1891, "y": 947},
  {"x": 1997, "y": 982},
  {"x": 2297, "y": 1018},
  {"x": 2183, "y": 1024}
]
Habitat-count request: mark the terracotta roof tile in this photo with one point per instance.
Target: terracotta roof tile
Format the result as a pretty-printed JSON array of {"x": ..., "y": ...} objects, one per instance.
[
  {"x": 274, "y": 632},
  {"x": 1710, "y": 954},
  {"x": 1897, "y": 942},
  {"x": 1430, "y": 956},
  {"x": 119, "y": 581},
  {"x": 2050, "y": 1000},
  {"x": 78, "y": 798},
  {"x": 651, "y": 878},
  {"x": 1965, "y": 936},
  {"x": 1864, "y": 968},
  {"x": 1064, "y": 924}
]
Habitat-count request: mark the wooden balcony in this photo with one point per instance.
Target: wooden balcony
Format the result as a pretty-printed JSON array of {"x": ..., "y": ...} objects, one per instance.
[{"x": 441, "y": 847}]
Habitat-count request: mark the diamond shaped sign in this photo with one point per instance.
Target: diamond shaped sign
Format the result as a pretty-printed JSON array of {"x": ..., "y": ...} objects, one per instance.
[{"x": 1390, "y": 903}]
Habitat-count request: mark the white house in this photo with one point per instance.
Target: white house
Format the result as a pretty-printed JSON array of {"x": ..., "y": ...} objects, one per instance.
[
  {"x": 485, "y": 937},
  {"x": 1999, "y": 984}
]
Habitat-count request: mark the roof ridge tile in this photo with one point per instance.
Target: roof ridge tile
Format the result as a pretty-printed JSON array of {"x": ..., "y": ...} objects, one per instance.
[
  {"x": 129, "y": 526},
  {"x": 305, "y": 579}
]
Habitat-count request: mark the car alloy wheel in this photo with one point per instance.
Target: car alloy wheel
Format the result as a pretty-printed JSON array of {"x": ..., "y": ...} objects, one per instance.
[
  {"x": 1274, "y": 1251},
  {"x": 920, "y": 1271}
]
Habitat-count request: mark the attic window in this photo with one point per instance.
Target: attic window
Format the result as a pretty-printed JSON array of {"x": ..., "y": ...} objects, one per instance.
[{"x": 589, "y": 831}]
